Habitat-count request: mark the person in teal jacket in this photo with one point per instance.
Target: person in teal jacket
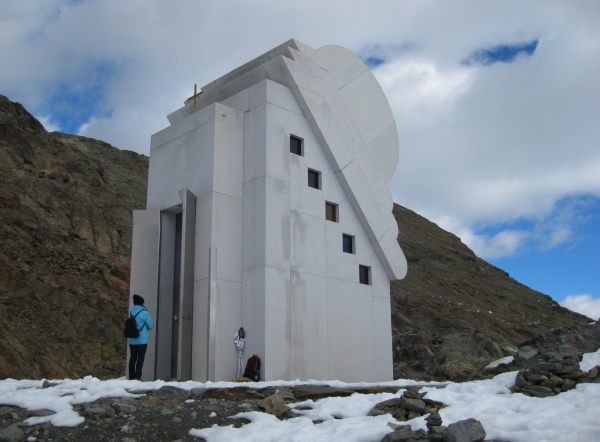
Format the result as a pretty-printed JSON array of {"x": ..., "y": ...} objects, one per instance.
[{"x": 138, "y": 346}]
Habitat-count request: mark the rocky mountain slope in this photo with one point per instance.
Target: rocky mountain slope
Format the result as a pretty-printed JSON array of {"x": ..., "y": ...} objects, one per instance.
[
  {"x": 454, "y": 312},
  {"x": 65, "y": 236}
]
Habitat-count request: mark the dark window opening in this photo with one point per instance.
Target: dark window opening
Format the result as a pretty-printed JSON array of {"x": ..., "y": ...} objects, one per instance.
[
  {"x": 331, "y": 212},
  {"x": 295, "y": 145},
  {"x": 364, "y": 275},
  {"x": 348, "y": 243},
  {"x": 313, "y": 179}
]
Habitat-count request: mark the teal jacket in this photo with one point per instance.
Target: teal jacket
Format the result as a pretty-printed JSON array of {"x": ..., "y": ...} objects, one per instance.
[{"x": 144, "y": 323}]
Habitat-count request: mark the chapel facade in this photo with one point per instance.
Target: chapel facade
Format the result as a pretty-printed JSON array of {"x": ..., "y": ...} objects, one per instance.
[{"x": 268, "y": 209}]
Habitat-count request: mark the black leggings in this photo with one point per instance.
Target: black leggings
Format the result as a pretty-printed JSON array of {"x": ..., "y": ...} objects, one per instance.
[{"x": 136, "y": 361}]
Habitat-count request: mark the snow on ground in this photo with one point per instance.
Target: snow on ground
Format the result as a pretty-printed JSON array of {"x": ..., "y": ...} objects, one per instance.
[
  {"x": 569, "y": 416},
  {"x": 506, "y": 360}
]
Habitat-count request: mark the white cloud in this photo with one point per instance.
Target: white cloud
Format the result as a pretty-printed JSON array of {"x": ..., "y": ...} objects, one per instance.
[
  {"x": 585, "y": 304},
  {"x": 480, "y": 145},
  {"x": 46, "y": 121},
  {"x": 503, "y": 244}
]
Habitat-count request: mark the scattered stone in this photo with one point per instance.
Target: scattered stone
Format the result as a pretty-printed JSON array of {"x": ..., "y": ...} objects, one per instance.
[
  {"x": 526, "y": 353},
  {"x": 305, "y": 392},
  {"x": 98, "y": 412},
  {"x": 233, "y": 394},
  {"x": 468, "y": 430},
  {"x": 436, "y": 433},
  {"x": 198, "y": 393},
  {"x": 593, "y": 373},
  {"x": 397, "y": 427},
  {"x": 412, "y": 393},
  {"x": 385, "y": 407},
  {"x": 433, "y": 420},
  {"x": 404, "y": 433},
  {"x": 172, "y": 394},
  {"x": 569, "y": 384},
  {"x": 122, "y": 408},
  {"x": 375, "y": 390},
  {"x": 416, "y": 405},
  {"x": 537, "y": 378},
  {"x": 274, "y": 405},
  {"x": 151, "y": 402},
  {"x": 11, "y": 433},
  {"x": 282, "y": 392},
  {"x": 41, "y": 412}
]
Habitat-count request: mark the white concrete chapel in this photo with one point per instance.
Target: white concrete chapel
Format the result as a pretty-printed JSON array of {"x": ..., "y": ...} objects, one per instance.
[{"x": 268, "y": 209}]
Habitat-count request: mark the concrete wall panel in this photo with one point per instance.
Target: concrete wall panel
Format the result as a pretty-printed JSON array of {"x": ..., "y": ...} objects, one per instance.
[
  {"x": 255, "y": 139},
  {"x": 308, "y": 244},
  {"x": 350, "y": 331},
  {"x": 200, "y": 331},
  {"x": 382, "y": 339},
  {"x": 277, "y": 356},
  {"x": 309, "y": 340},
  {"x": 277, "y": 223},
  {"x": 253, "y": 224}
]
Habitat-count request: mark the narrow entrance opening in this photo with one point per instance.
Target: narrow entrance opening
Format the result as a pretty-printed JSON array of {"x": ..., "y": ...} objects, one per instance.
[{"x": 176, "y": 295}]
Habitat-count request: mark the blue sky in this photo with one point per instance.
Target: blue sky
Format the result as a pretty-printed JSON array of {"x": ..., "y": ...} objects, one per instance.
[{"x": 496, "y": 103}]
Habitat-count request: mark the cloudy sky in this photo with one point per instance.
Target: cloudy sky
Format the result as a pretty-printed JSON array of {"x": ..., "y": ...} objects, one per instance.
[{"x": 497, "y": 103}]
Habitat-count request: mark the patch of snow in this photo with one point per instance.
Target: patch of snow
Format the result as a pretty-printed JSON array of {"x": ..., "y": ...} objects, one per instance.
[
  {"x": 213, "y": 414},
  {"x": 506, "y": 360},
  {"x": 590, "y": 360}
]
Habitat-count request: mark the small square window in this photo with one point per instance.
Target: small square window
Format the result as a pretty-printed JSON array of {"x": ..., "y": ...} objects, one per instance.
[
  {"x": 348, "y": 243},
  {"x": 314, "y": 179},
  {"x": 331, "y": 212},
  {"x": 364, "y": 275},
  {"x": 296, "y": 145}
]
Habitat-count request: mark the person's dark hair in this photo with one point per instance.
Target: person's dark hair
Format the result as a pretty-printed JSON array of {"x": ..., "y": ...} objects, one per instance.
[{"x": 138, "y": 300}]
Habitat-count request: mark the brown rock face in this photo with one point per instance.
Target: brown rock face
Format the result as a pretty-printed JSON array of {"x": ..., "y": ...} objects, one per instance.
[
  {"x": 454, "y": 312},
  {"x": 65, "y": 231},
  {"x": 65, "y": 236}
]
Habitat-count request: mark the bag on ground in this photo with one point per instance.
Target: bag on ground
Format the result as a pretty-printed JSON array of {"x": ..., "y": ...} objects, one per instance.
[{"x": 252, "y": 370}]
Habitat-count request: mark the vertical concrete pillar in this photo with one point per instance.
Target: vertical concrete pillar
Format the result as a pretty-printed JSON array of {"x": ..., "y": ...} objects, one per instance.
[
  {"x": 212, "y": 314},
  {"x": 186, "y": 305},
  {"x": 164, "y": 315}
]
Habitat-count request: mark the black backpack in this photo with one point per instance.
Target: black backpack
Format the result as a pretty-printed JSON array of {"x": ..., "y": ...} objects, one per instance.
[
  {"x": 252, "y": 370},
  {"x": 131, "y": 330}
]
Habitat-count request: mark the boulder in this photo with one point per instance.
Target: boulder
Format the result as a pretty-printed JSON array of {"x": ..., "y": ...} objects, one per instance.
[
  {"x": 469, "y": 430},
  {"x": 11, "y": 433},
  {"x": 404, "y": 434},
  {"x": 274, "y": 405},
  {"x": 416, "y": 405}
]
